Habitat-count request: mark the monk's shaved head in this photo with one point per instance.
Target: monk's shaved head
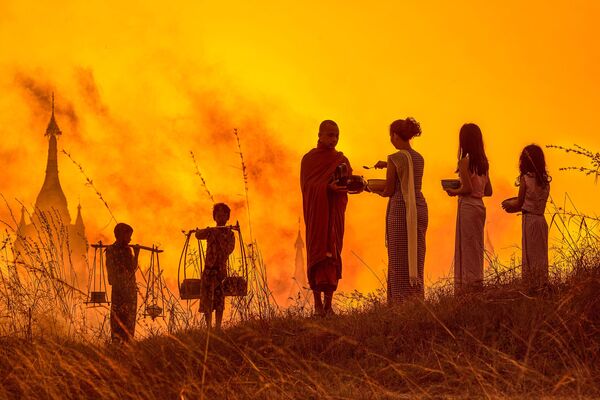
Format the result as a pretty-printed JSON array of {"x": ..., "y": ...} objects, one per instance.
[
  {"x": 327, "y": 124},
  {"x": 329, "y": 134}
]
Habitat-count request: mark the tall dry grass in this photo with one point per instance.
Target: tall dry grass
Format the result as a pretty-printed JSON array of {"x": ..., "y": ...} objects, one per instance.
[{"x": 501, "y": 342}]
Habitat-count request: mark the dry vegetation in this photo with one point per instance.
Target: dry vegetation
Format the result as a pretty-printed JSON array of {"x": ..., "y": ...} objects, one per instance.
[{"x": 500, "y": 343}]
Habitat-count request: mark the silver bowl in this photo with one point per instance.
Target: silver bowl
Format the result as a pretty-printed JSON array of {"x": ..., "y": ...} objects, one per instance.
[{"x": 376, "y": 185}]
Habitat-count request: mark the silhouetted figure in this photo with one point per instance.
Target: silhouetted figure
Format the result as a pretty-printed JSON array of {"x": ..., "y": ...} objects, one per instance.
[
  {"x": 121, "y": 264},
  {"x": 473, "y": 170},
  {"x": 534, "y": 189},
  {"x": 407, "y": 214},
  {"x": 324, "y": 204},
  {"x": 220, "y": 243}
]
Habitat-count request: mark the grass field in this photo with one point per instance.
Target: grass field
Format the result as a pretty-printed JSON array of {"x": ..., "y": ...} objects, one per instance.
[{"x": 501, "y": 343}]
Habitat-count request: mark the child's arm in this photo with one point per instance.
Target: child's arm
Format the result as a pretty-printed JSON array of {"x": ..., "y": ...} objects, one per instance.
[
  {"x": 521, "y": 195},
  {"x": 487, "y": 191},
  {"x": 230, "y": 243},
  {"x": 515, "y": 205},
  {"x": 465, "y": 179},
  {"x": 202, "y": 234},
  {"x": 136, "y": 255}
]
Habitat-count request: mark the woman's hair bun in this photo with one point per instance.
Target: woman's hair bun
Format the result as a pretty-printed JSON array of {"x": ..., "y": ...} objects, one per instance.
[{"x": 413, "y": 128}]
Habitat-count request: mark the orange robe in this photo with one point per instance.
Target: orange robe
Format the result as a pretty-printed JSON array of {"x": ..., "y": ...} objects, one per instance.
[{"x": 324, "y": 217}]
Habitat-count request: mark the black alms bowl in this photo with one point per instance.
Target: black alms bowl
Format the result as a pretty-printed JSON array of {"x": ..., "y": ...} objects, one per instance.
[
  {"x": 507, "y": 202},
  {"x": 450, "y": 184}
]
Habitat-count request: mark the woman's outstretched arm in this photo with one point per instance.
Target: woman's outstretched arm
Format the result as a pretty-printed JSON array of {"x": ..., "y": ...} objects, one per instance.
[
  {"x": 390, "y": 180},
  {"x": 465, "y": 179}
]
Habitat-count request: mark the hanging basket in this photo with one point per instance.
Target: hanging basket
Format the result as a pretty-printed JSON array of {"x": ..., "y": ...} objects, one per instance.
[
  {"x": 97, "y": 280},
  {"x": 235, "y": 286},
  {"x": 154, "y": 310},
  {"x": 97, "y": 298},
  {"x": 189, "y": 271},
  {"x": 236, "y": 282},
  {"x": 154, "y": 299},
  {"x": 190, "y": 288},
  {"x": 191, "y": 265}
]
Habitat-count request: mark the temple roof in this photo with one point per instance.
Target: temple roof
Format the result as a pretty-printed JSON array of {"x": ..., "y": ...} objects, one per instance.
[
  {"x": 53, "y": 128},
  {"x": 299, "y": 241},
  {"x": 51, "y": 196}
]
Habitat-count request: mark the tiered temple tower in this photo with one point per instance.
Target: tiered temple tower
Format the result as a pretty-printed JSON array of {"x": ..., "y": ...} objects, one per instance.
[
  {"x": 50, "y": 229},
  {"x": 300, "y": 281}
]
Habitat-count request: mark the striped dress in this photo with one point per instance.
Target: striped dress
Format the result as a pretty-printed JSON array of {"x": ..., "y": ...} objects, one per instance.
[
  {"x": 469, "y": 245},
  {"x": 398, "y": 283}
]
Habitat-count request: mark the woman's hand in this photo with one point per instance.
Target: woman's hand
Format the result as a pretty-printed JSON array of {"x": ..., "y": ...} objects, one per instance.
[
  {"x": 334, "y": 187},
  {"x": 452, "y": 192},
  {"x": 380, "y": 165}
]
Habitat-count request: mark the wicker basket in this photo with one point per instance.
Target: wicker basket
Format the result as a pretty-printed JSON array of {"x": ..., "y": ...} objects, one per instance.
[
  {"x": 154, "y": 310},
  {"x": 235, "y": 286},
  {"x": 190, "y": 289},
  {"x": 98, "y": 298}
]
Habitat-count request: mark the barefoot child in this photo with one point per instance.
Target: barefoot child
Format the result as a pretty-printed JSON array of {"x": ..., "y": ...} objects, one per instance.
[
  {"x": 220, "y": 242},
  {"x": 534, "y": 189}
]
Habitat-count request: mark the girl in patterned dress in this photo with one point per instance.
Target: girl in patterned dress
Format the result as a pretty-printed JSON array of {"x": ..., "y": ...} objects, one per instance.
[
  {"x": 473, "y": 170},
  {"x": 407, "y": 214},
  {"x": 534, "y": 189}
]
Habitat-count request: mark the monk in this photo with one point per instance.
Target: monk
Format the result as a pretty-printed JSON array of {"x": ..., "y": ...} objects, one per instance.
[{"x": 324, "y": 203}]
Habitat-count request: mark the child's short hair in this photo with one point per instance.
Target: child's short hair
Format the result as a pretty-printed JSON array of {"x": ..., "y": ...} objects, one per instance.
[
  {"x": 122, "y": 229},
  {"x": 223, "y": 207}
]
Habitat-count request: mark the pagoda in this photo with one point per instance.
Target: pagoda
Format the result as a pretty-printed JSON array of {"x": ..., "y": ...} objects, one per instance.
[{"x": 49, "y": 232}]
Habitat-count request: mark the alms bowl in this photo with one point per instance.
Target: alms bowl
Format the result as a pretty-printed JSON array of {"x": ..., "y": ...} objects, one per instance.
[
  {"x": 355, "y": 184},
  {"x": 508, "y": 203},
  {"x": 450, "y": 184},
  {"x": 376, "y": 185}
]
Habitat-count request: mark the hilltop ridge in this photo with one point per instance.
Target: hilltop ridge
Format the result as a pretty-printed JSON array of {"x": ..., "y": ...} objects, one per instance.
[{"x": 501, "y": 342}]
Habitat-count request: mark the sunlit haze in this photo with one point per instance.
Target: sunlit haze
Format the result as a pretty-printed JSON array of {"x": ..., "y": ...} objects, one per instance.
[{"x": 139, "y": 85}]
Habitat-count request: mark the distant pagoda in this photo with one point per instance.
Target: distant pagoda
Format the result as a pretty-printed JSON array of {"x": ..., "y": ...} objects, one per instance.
[
  {"x": 51, "y": 222},
  {"x": 299, "y": 290}
]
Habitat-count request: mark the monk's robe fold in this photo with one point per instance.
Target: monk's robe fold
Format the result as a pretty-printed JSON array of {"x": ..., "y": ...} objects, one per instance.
[{"x": 323, "y": 209}]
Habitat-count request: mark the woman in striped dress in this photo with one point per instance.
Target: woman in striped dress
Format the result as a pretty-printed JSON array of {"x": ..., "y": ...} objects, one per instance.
[{"x": 407, "y": 215}]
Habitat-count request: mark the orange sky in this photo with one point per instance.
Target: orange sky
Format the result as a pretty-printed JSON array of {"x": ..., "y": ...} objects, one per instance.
[{"x": 139, "y": 85}]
